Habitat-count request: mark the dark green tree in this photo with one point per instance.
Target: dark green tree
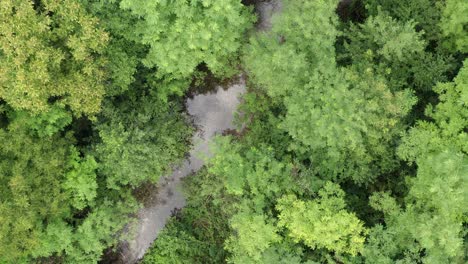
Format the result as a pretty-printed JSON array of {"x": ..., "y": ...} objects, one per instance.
[
  {"x": 424, "y": 13},
  {"x": 434, "y": 213},
  {"x": 396, "y": 51},
  {"x": 140, "y": 139}
]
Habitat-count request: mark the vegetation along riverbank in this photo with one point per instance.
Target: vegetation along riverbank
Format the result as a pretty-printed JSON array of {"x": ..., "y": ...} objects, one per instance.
[{"x": 233, "y": 131}]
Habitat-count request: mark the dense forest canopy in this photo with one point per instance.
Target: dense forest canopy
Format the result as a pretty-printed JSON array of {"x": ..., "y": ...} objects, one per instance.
[{"x": 353, "y": 134}]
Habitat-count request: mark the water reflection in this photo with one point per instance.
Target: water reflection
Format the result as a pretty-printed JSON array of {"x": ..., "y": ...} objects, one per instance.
[{"x": 212, "y": 113}]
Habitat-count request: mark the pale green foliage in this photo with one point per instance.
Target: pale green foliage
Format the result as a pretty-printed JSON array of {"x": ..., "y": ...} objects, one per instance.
[
  {"x": 454, "y": 25},
  {"x": 347, "y": 123},
  {"x": 345, "y": 120},
  {"x": 56, "y": 238},
  {"x": 323, "y": 222},
  {"x": 251, "y": 178},
  {"x": 253, "y": 174},
  {"x": 182, "y": 34},
  {"x": 388, "y": 38},
  {"x": 51, "y": 53},
  {"x": 441, "y": 184},
  {"x": 229, "y": 164},
  {"x": 284, "y": 67},
  {"x": 81, "y": 180},
  {"x": 382, "y": 247},
  {"x": 253, "y": 235},
  {"x": 141, "y": 137}
]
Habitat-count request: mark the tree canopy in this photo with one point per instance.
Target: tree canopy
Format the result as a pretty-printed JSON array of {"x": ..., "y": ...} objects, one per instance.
[
  {"x": 350, "y": 147},
  {"x": 51, "y": 51}
]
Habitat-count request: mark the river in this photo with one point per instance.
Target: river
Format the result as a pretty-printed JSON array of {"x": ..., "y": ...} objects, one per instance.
[{"x": 212, "y": 114}]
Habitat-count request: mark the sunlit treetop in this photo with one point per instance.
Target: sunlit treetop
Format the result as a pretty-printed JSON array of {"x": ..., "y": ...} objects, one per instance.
[{"x": 50, "y": 54}]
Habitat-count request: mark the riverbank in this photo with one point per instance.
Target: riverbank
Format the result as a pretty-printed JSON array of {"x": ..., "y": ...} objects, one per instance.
[{"x": 211, "y": 113}]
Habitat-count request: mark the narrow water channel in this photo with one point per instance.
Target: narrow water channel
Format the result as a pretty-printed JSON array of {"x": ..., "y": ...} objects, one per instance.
[{"x": 212, "y": 114}]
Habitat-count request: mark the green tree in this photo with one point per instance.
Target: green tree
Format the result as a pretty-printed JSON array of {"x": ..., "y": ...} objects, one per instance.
[
  {"x": 124, "y": 51},
  {"x": 197, "y": 233},
  {"x": 281, "y": 60},
  {"x": 246, "y": 183},
  {"x": 31, "y": 175},
  {"x": 251, "y": 174},
  {"x": 350, "y": 127},
  {"x": 52, "y": 202},
  {"x": 435, "y": 209},
  {"x": 251, "y": 179},
  {"x": 344, "y": 120},
  {"x": 172, "y": 38},
  {"x": 80, "y": 181},
  {"x": 396, "y": 51},
  {"x": 174, "y": 246},
  {"x": 44, "y": 190},
  {"x": 447, "y": 130},
  {"x": 425, "y": 13},
  {"x": 140, "y": 139},
  {"x": 433, "y": 218},
  {"x": 44, "y": 124}
]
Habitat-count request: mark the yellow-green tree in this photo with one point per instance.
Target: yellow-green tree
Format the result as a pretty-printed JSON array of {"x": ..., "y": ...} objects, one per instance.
[
  {"x": 50, "y": 54},
  {"x": 322, "y": 222}
]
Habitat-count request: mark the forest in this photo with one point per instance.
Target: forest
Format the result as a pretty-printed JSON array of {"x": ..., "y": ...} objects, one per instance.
[{"x": 350, "y": 145}]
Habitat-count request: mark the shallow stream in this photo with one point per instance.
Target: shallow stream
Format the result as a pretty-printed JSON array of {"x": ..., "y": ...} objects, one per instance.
[{"x": 212, "y": 114}]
